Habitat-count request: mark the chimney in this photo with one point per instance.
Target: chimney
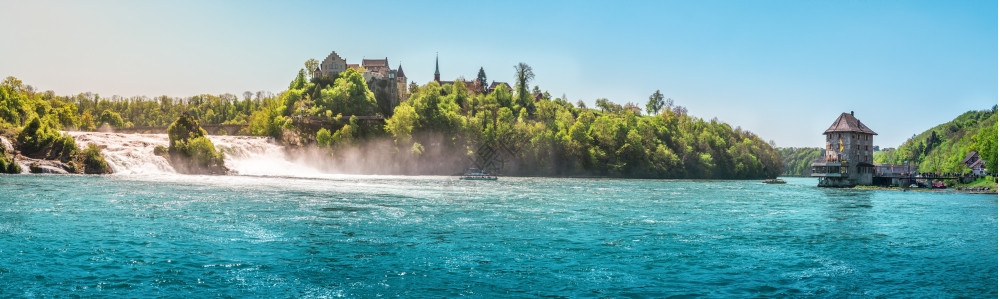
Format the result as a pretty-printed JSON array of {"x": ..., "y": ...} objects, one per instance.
[{"x": 852, "y": 112}]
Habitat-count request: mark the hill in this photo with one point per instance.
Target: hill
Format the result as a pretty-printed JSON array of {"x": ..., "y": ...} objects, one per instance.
[
  {"x": 941, "y": 149},
  {"x": 798, "y": 161}
]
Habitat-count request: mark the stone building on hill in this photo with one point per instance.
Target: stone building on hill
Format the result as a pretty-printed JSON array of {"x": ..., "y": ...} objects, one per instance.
[
  {"x": 388, "y": 85},
  {"x": 849, "y": 150}
]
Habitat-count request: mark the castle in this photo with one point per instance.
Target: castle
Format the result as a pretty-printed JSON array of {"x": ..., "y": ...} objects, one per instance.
[
  {"x": 848, "y": 159},
  {"x": 388, "y": 85}
]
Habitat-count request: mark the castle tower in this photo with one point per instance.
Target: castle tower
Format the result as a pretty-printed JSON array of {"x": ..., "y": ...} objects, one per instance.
[
  {"x": 401, "y": 87},
  {"x": 848, "y": 159},
  {"x": 437, "y": 71}
]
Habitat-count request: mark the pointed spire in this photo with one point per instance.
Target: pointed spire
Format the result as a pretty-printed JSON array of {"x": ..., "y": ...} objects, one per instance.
[{"x": 437, "y": 70}]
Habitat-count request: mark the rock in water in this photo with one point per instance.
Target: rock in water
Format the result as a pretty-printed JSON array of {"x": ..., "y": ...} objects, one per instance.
[{"x": 190, "y": 150}]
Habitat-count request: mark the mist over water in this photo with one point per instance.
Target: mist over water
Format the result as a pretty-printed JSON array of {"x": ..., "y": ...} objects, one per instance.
[{"x": 132, "y": 154}]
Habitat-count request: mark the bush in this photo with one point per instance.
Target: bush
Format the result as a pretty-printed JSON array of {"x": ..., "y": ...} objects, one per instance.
[
  {"x": 323, "y": 137},
  {"x": 93, "y": 161},
  {"x": 40, "y": 141},
  {"x": 7, "y": 164},
  {"x": 161, "y": 151},
  {"x": 190, "y": 150}
]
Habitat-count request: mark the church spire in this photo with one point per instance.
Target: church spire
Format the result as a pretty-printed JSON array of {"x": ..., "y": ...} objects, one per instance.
[{"x": 437, "y": 70}]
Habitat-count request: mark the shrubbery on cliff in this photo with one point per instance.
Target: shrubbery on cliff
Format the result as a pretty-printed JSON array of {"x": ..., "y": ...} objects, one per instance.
[
  {"x": 190, "y": 151},
  {"x": 38, "y": 140},
  {"x": 93, "y": 161},
  {"x": 7, "y": 164}
]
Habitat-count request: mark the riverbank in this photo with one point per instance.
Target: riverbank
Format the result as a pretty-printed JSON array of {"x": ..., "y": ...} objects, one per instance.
[{"x": 967, "y": 190}]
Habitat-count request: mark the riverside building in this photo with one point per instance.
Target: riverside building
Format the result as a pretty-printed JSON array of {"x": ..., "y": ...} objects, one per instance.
[{"x": 848, "y": 158}]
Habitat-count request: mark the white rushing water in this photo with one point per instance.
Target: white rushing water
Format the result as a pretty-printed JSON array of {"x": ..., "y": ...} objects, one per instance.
[
  {"x": 7, "y": 146},
  {"x": 133, "y": 154}
]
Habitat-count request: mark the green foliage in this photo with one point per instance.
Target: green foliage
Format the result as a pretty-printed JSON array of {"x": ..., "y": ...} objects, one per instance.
[
  {"x": 93, "y": 161},
  {"x": 38, "y": 140},
  {"x": 300, "y": 80},
  {"x": 112, "y": 118},
  {"x": 16, "y": 105},
  {"x": 162, "y": 151},
  {"x": 7, "y": 164},
  {"x": 87, "y": 122},
  {"x": 481, "y": 77},
  {"x": 404, "y": 119},
  {"x": 523, "y": 76},
  {"x": 986, "y": 144},
  {"x": 269, "y": 120},
  {"x": 797, "y": 161},
  {"x": 942, "y": 148},
  {"x": 323, "y": 137},
  {"x": 191, "y": 151},
  {"x": 349, "y": 95},
  {"x": 560, "y": 139},
  {"x": 655, "y": 103}
]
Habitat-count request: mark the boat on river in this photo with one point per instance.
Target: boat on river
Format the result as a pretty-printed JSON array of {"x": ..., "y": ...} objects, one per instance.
[
  {"x": 477, "y": 175},
  {"x": 774, "y": 181}
]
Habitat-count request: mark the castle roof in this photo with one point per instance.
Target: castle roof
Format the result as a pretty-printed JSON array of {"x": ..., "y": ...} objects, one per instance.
[
  {"x": 847, "y": 123},
  {"x": 333, "y": 56},
  {"x": 399, "y": 72},
  {"x": 496, "y": 84},
  {"x": 437, "y": 71},
  {"x": 375, "y": 62}
]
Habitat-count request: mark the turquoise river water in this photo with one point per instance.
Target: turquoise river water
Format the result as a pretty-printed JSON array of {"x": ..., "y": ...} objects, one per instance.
[{"x": 386, "y": 236}]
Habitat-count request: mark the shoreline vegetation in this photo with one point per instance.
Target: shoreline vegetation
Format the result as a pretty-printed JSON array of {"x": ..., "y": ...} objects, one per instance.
[
  {"x": 442, "y": 128},
  {"x": 940, "y": 149},
  {"x": 438, "y": 130}
]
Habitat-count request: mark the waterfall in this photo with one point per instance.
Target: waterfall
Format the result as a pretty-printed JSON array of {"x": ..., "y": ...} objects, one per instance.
[
  {"x": 133, "y": 154},
  {"x": 7, "y": 146}
]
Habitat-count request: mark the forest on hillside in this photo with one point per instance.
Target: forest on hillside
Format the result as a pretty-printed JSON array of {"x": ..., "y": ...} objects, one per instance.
[
  {"x": 438, "y": 130},
  {"x": 941, "y": 149},
  {"x": 798, "y": 161}
]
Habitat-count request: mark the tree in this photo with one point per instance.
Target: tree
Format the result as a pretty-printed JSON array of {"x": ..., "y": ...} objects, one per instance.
[
  {"x": 300, "y": 80},
  {"x": 524, "y": 75},
  {"x": 112, "y": 118},
  {"x": 311, "y": 65},
  {"x": 655, "y": 103},
  {"x": 349, "y": 95},
  {"x": 404, "y": 119},
  {"x": 986, "y": 144},
  {"x": 481, "y": 77}
]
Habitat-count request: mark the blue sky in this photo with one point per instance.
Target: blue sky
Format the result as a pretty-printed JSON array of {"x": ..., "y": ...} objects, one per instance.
[{"x": 781, "y": 69}]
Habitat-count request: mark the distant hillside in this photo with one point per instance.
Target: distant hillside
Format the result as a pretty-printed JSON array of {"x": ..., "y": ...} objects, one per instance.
[
  {"x": 798, "y": 160},
  {"x": 942, "y": 148}
]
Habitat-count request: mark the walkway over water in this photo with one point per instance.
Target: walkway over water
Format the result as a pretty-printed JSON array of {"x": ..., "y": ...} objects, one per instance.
[{"x": 907, "y": 179}]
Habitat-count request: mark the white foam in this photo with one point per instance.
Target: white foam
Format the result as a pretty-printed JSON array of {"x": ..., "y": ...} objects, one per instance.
[{"x": 132, "y": 154}]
